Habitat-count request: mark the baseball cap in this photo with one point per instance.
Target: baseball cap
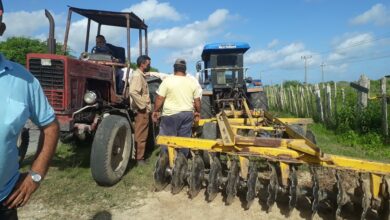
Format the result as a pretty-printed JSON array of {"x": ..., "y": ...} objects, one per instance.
[{"x": 180, "y": 62}]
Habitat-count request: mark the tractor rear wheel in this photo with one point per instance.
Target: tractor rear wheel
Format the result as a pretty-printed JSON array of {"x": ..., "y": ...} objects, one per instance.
[
  {"x": 111, "y": 150},
  {"x": 206, "y": 107},
  {"x": 259, "y": 100},
  {"x": 209, "y": 131}
]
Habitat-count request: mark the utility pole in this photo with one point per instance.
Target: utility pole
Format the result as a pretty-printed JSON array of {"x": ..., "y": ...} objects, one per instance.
[
  {"x": 306, "y": 58},
  {"x": 322, "y": 71}
]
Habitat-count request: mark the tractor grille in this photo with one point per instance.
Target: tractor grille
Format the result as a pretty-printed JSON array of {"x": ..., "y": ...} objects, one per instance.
[{"x": 51, "y": 78}]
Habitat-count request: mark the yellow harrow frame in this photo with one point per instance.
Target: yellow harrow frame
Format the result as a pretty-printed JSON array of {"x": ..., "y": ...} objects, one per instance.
[{"x": 285, "y": 154}]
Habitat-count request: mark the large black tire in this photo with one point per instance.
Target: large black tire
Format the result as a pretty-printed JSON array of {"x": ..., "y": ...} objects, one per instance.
[
  {"x": 111, "y": 149},
  {"x": 206, "y": 108},
  {"x": 22, "y": 143},
  {"x": 258, "y": 100},
  {"x": 301, "y": 130},
  {"x": 209, "y": 131}
]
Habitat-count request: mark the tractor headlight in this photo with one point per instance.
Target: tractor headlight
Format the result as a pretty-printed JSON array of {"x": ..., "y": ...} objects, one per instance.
[{"x": 90, "y": 97}]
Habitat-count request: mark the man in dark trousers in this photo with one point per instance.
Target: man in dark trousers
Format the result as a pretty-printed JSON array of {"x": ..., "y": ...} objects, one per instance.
[
  {"x": 22, "y": 98},
  {"x": 179, "y": 97},
  {"x": 140, "y": 101}
]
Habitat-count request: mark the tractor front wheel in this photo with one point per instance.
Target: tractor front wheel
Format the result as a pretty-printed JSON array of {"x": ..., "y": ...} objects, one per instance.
[{"x": 111, "y": 150}]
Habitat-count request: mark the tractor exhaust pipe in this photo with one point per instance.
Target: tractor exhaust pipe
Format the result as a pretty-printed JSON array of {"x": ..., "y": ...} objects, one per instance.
[{"x": 51, "y": 41}]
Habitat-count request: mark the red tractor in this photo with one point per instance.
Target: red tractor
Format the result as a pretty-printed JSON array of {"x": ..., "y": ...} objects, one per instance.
[{"x": 85, "y": 95}]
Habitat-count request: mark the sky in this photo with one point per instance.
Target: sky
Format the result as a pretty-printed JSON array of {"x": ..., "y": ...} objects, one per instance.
[{"x": 349, "y": 37}]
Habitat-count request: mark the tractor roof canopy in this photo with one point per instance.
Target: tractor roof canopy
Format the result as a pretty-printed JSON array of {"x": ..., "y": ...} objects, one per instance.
[
  {"x": 224, "y": 48},
  {"x": 111, "y": 18}
]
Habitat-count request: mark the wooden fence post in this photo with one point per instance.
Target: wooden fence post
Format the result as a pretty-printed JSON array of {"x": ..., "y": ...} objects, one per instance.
[
  {"x": 294, "y": 101},
  {"x": 362, "y": 96},
  {"x": 282, "y": 103},
  {"x": 291, "y": 106},
  {"x": 385, "y": 126},
  {"x": 335, "y": 103},
  {"x": 328, "y": 101},
  {"x": 317, "y": 93},
  {"x": 305, "y": 97}
]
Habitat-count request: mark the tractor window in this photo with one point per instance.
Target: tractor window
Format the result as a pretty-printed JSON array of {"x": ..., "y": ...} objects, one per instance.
[
  {"x": 224, "y": 77},
  {"x": 226, "y": 60}
]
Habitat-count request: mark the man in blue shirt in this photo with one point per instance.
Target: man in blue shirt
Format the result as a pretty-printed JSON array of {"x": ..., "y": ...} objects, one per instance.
[{"x": 21, "y": 98}]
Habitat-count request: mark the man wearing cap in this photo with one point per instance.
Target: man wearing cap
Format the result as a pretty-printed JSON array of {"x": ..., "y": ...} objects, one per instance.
[
  {"x": 179, "y": 97},
  {"x": 22, "y": 98},
  {"x": 139, "y": 93}
]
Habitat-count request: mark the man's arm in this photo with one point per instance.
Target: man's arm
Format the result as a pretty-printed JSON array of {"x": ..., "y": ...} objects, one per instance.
[
  {"x": 159, "y": 102},
  {"x": 197, "y": 105},
  {"x": 46, "y": 149},
  {"x": 135, "y": 92}
]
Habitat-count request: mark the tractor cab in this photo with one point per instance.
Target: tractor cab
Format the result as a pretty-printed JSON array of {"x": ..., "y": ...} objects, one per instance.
[
  {"x": 223, "y": 79},
  {"x": 223, "y": 65}
]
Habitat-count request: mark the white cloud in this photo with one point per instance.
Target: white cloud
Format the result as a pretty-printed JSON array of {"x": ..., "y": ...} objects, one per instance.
[
  {"x": 379, "y": 15},
  {"x": 190, "y": 54},
  {"x": 288, "y": 57},
  {"x": 355, "y": 40},
  {"x": 24, "y": 23},
  {"x": 152, "y": 9},
  {"x": 350, "y": 45},
  {"x": 260, "y": 56},
  {"x": 189, "y": 35},
  {"x": 273, "y": 43}
]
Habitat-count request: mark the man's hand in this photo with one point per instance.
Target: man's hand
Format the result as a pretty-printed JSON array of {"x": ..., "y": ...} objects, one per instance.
[
  {"x": 155, "y": 116},
  {"x": 196, "y": 117},
  {"x": 22, "y": 192}
]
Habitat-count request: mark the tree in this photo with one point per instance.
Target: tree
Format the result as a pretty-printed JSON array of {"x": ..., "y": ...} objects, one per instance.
[{"x": 16, "y": 48}]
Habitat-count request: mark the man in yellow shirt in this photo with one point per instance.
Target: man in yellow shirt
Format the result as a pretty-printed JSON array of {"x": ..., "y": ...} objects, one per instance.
[{"x": 180, "y": 98}]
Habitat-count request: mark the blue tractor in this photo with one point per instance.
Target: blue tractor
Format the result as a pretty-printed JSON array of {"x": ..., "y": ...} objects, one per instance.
[{"x": 223, "y": 79}]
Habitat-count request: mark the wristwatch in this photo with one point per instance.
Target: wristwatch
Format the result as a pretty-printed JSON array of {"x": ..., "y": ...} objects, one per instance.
[{"x": 36, "y": 177}]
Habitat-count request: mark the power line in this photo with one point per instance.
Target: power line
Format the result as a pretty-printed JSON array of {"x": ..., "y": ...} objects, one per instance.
[{"x": 385, "y": 36}]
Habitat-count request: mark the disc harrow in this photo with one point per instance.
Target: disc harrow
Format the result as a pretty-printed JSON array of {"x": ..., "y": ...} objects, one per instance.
[{"x": 251, "y": 152}]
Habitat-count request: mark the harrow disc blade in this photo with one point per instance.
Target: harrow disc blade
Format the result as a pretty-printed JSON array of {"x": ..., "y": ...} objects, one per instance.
[
  {"x": 161, "y": 176},
  {"x": 315, "y": 190},
  {"x": 196, "y": 175},
  {"x": 179, "y": 173},
  {"x": 214, "y": 179},
  {"x": 252, "y": 184},
  {"x": 366, "y": 198},
  {"x": 232, "y": 182},
  {"x": 342, "y": 197},
  {"x": 293, "y": 188},
  {"x": 273, "y": 186},
  {"x": 385, "y": 212}
]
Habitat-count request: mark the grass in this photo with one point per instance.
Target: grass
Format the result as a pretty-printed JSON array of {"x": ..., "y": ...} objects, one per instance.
[
  {"x": 330, "y": 143},
  {"x": 69, "y": 191},
  {"x": 69, "y": 185},
  {"x": 333, "y": 143}
]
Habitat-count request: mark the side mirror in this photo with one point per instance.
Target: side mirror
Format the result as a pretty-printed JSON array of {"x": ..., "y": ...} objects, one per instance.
[{"x": 198, "y": 66}]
